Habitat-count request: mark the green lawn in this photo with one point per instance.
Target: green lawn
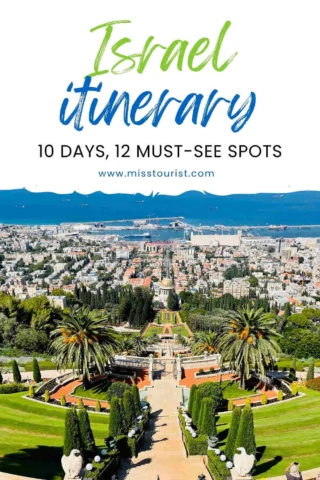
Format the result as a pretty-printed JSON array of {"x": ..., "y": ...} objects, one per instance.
[
  {"x": 153, "y": 330},
  {"x": 97, "y": 392},
  {"x": 285, "y": 432},
  {"x": 31, "y": 437},
  {"x": 233, "y": 391},
  {"x": 180, "y": 330}
]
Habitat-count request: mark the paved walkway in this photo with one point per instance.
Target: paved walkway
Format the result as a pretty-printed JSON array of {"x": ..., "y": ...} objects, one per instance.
[{"x": 163, "y": 452}]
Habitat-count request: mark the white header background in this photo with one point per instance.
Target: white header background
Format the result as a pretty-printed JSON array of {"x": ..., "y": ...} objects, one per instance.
[{"x": 46, "y": 45}]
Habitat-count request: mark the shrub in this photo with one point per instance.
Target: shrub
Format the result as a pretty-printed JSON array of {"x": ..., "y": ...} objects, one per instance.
[
  {"x": 71, "y": 432},
  {"x": 217, "y": 468},
  {"x": 314, "y": 384},
  {"x": 191, "y": 398},
  {"x": 31, "y": 391},
  {"x": 207, "y": 424},
  {"x": 310, "y": 373},
  {"x": 294, "y": 389},
  {"x": 115, "y": 421},
  {"x": 264, "y": 399},
  {"x": 63, "y": 402},
  {"x": 196, "y": 446},
  {"x": 211, "y": 370},
  {"x": 280, "y": 395},
  {"x": 98, "y": 406},
  {"x": 117, "y": 389},
  {"x": 133, "y": 446},
  {"x": 46, "y": 396},
  {"x": 86, "y": 435},
  {"x": 80, "y": 403},
  {"x": 248, "y": 402},
  {"x": 233, "y": 432},
  {"x": 16, "y": 372},
  {"x": 213, "y": 390},
  {"x": 246, "y": 437},
  {"x": 12, "y": 388},
  {"x": 36, "y": 371},
  {"x": 230, "y": 404},
  {"x": 200, "y": 371},
  {"x": 1, "y": 379},
  {"x": 136, "y": 399}
]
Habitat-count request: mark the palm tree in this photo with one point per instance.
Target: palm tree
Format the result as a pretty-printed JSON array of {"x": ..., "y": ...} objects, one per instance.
[
  {"x": 204, "y": 342},
  {"x": 249, "y": 340},
  {"x": 83, "y": 338}
]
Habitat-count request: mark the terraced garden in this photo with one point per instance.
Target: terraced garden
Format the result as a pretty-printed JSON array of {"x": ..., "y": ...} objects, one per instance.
[
  {"x": 31, "y": 437},
  {"x": 285, "y": 433}
]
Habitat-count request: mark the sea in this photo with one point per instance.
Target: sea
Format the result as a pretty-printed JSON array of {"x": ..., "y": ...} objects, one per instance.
[{"x": 196, "y": 208}]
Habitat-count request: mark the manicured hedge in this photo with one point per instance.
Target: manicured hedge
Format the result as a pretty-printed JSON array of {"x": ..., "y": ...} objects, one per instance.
[
  {"x": 314, "y": 384},
  {"x": 13, "y": 388},
  {"x": 195, "y": 446},
  {"x": 216, "y": 467}
]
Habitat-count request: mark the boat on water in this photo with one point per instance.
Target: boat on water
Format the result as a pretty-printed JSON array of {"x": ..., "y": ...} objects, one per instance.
[
  {"x": 278, "y": 227},
  {"x": 138, "y": 235}
]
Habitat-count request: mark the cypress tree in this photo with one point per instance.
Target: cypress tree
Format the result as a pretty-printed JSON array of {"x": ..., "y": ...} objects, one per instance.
[
  {"x": 98, "y": 406},
  {"x": 71, "y": 432},
  {"x": 196, "y": 407},
  {"x": 207, "y": 423},
  {"x": 86, "y": 435},
  {"x": 233, "y": 432},
  {"x": 16, "y": 372},
  {"x": 191, "y": 398},
  {"x": 246, "y": 437},
  {"x": 310, "y": 373},
  {"x": 115, "y": 422},
  {"x": 36, "y": 371},
  {"x": 136, "y": 400},
  {"x": 128, "y": 408},
  {"x": 124, "y": 426}
]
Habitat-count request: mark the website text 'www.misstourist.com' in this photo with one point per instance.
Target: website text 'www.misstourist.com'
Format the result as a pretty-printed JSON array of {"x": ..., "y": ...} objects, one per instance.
[{"x": 156, "y": 173}]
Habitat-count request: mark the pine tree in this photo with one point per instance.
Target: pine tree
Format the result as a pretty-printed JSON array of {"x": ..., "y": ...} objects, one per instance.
[
  {"x": 72, "y": 439},
  {"x": 36, "y": 371},
  {"x": 136, "y": 400},
  {"x": 208, "y": 420},
  {"x": 86, "y": 435},
  {"x": 191, "y": 398},
  {"x": 233, "y": 432},
  {"x": 246, "y": 437},
  {"x": 310, "y": 373},
  {"x": 115, "y": 422},
  {"x": 16, "y": 372},
  {"x": 128, "y": 408}
]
